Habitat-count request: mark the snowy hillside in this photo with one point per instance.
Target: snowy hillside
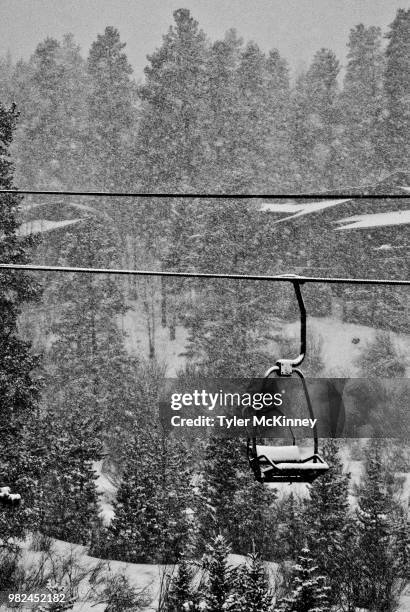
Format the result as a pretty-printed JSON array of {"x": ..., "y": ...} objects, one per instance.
[{"x": 143, "y": 577}]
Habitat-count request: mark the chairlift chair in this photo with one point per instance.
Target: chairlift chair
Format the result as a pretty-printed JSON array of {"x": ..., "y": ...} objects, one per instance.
[{"x": 288, "y": 463}]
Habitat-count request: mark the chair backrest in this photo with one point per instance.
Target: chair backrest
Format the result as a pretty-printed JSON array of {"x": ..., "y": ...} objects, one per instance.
[{"x": 279, "y": 454}]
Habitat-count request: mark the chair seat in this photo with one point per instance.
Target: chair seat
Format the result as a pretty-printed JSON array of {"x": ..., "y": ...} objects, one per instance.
[
  {"x": 299, "y": 466},
  {"x": 273, "y": 464}
]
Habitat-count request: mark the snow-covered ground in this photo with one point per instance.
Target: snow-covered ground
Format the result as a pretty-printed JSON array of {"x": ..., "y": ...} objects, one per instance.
[
  {"x": 167, "y": 351},
  {"x": 338, "y": 352},
  {"x": 39, "y": 226},
  {"x": 396, "y": 217},
  {"x": 140, "y": 576}
]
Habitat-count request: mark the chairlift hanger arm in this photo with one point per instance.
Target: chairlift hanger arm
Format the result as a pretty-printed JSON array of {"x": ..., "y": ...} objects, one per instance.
[
  {"x": 302, "y": 309},
  {"x": 285, "y": 366}
]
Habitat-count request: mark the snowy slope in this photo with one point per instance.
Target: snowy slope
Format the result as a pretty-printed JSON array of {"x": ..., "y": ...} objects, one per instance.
[
  {"x": 397, "y": 217},
  {"x": 338, "y": 352},
  {"x": 140, "y": 575},
  {"x": 136, "y": 341},
  {"x": 43, "y": 225}
]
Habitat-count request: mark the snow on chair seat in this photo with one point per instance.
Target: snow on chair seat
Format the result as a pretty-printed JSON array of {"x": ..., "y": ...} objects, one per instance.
[
  {"x": 308, "y": 465},
  {"x": 279, "y": 454}
]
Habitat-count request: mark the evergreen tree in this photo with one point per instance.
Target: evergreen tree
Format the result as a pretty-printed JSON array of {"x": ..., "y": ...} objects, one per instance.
[
  {"x": 50, "y": 91},
  {"x": 231, "y": 501},
  {"x": 171, "y": 149},
  {"x": 88, "y": 372},
  {"x": 20, "y": 449},
  {"x": 222, "y": 168},
  {"x": 316, "y": 118},
  {"x": 87, "y": 363},
  {"x": 112, "y": 123},
  {"x": 218, "y": 486},
  {"x": 279, "y": 175},
  {"x": 252, "y": 590},
  {"x": 310, "y": 592},
  {"x": 327, "y": 517},
  {"x": 246, "y": 126},
  {"x": 362, "y": 102},
  {"x": 381, "y": 358},
  {"x": 403, "y": 544},
  {"x": 262, "y": 125},
  {"x": 254, "y": 125},
  {"x": 120, "y": 596},
  {"x": 218, "y": 596},
  {"x": 174, "y": 96},
  {"x": 291, "y": 527},
  {"x": 255, "y": 520},
  {"x": 111, "y": 113},
  {"x": 6, "y": 79},
  {"x": 381, "y": 575},
  {"x": 350, "y": 567},
  {"x": 397, "y": 89},
  {"x": 151, "y": 523},
  {"x": 181, "y": 595},
  {"x": 69, "y": 500}
]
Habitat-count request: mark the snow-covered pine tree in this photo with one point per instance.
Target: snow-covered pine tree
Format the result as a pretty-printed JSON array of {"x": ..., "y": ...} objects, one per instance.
[
  {"x": 219, "y": 595},
  {"x": 91, "y": 384},
  {"x": 315, "y": 122},
  {"x": 362, "y": 105},
  {"x": 6, "y": 79},
  {"x": 350, "y": 567},
  {"x": 151, "y": 522},
  {"x": 87, "y": 362},
  {"x": 20, "y": 467},
  {"x": 69, "y": 502},
  {"x": 182, "y": 595},
  {"x": 174, "y": 97},
  {"x": 217, "y": 488},
  {"x": 310, "y": 591},
  {"x": 290, "y": 531},
  {"x": 231, "y": 502},
  {"x": 252, "y": 586},
  {"x": 220, "y": 169},
  {"x": 381, "y": 358},
  {"x": 402, "y": 543},
  {"x": 255, "y": 520},
  {"x": 397, "y": 88},
  {"x": 171, "y": 149},
  {"x": 255, "y": 131},
  {"x": 50, "y": 91},
  {"x": 111, "y": 115},
  {"x": 382, "y": 568},
  {"x": 326, "y": 516},
  {"x": 120, "y": 596},
  {"x": 110, "y": 136}
]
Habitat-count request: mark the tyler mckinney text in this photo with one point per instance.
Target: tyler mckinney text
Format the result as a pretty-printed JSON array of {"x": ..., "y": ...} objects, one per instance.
[{"x": 255, "y": 421}]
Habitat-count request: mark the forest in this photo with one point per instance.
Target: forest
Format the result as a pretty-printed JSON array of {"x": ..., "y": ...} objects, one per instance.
[{"x": 83, "y": 357}]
